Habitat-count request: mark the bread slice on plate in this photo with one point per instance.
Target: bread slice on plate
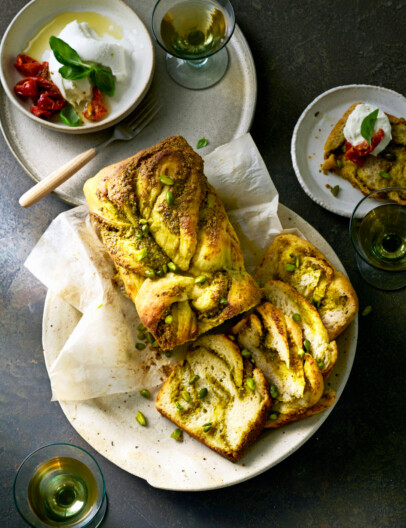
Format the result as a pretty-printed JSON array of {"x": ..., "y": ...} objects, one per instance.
[
  {"x": 296, "y": 386},
  {"x": 297, "y": 262},
  {"x": 217, "y": 397},
  {"x": 315, "y": 337},
  {"x": 368, "y": 178}
]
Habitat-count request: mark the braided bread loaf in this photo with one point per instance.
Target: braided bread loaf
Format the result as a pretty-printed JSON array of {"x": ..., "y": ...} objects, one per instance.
[{"x": 171, "y": 241}]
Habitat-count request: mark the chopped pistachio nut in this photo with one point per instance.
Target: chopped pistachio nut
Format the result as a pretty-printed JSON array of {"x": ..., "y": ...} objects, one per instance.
[
  {"x": 251, "y": 383},
  {"x": 165, "y": 268},
  {"x": 150, "y": 273},
  {"x": 202, "y": 393},
  {"x": 335, "y": 190},
  {"x": 297, "y": 263},
  {"x": 385, "y": 175},
  {"x": 179, "y": 407},
  {"x": 307, "y": 345},
  {"x": 290, "y": 267},
  {"x": 177, "y": 434},
  {"x": 273, "y": 391},
  {"x": 246, "y": 353},
  {"x": 169, "y": 198},
  {"x": 169, "y": 319},
  {"x": 223, "y": 301},
  {"x": 320, "y": 363},
  {"x": 207, "y": 427},
  {"x": 166, "y": 180},
  {"x": 301, "y": 353},
  {"x": 172, "y": 266},
  {"x": 168, "y": 353},
  {"x": 185, "y": 395},
  {"x": 160, "y": 273},
  {"x": 193, "y": 380},
  {"x": 367, "y": 310},
  {"x": 141, "y": 336},
  {"x": 145, "y": 229},
  {"x": 201, "y": 279},
  {"x": 340, "y": 164},
  {"x": 296, "y": 317},
  {"x": 140, "y": 346},
  {"x": 274, "y": 416},
  {"x": 142, "y": 221},
  {"x": 139, "y": 235},
  {"x": 140, "y": 327},
  {"x": 150, "y": 337},
  {"x": 155, "y": 344},
  {"x": 145, "y": 393},
  {"x": 141, "y": 254},
  {"x": 141, "y": 419}
]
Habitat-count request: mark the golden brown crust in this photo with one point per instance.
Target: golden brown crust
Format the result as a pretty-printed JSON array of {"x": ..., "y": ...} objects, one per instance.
[
  {"x": 315, "y": 278},
  {"x": 324, "y": 403},
  {"x": 368, "y": 177},
  {"x": 157, "y": 209}
]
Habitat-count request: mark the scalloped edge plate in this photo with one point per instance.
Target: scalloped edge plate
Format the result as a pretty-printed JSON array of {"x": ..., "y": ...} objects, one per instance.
[{"x": 312, "y": 130}]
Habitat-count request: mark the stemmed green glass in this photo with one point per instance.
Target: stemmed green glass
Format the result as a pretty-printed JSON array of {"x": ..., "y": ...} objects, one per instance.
[
  {"x": 194, "y": 33},
  {"x": 60, "y": 485},
  {"x": 378, "y": 234}
]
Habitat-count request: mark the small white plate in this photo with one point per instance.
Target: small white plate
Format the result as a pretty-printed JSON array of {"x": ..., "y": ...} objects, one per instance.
[
  {"x": 312, "y": 130},
  {"x": 141, "y": 61},
  {"x": 108, "y": 424}
]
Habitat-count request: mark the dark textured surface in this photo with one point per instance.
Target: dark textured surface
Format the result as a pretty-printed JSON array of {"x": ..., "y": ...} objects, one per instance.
[{"x": 352, "y": 472}]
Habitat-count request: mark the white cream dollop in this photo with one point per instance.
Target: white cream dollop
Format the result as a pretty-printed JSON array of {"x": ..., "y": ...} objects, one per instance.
[
  {"x": 352, "y": 129},
  {"x": 90, "y": 47}
]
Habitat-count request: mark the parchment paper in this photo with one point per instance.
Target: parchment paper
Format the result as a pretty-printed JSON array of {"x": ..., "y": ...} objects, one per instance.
[{"x": 100, "y": 356}]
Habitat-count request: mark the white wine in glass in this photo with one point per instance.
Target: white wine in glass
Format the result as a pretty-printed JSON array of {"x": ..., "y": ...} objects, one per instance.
[
  {"x": 194, "y": 33},
  {"x": 60, "y": 485},
  {"x": 378, "y": 234}
]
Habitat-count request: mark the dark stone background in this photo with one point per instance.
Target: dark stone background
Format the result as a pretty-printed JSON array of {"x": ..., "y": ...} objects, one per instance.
[{"x": 352, "y": 471}]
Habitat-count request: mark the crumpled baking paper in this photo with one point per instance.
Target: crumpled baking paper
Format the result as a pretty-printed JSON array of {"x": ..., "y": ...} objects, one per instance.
[{"x": 100, "y": 357}]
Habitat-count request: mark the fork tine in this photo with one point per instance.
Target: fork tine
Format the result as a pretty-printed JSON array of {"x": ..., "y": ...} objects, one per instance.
[
  {"x": 140, "y": 118},
  {"x": 146, "y": 120},
  {"x": 140, "y": 112}
]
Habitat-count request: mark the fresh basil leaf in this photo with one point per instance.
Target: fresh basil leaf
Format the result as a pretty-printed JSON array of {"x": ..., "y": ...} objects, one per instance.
[
  {"x": 368, "y": 124},
  {"x": 64, "y": 53},
  {"x": 74, "y": 72},
  {"x": 103, "y": 80},
  {"x": 202, "y": 143},
  {"x": 69, "y": 116}
]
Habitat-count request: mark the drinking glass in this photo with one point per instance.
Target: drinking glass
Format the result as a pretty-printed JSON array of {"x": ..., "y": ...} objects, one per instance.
[
  {"x": 60, "y": 485},
  {"x": 194, "y": 33},
  {"x": 378, "y": 234}
]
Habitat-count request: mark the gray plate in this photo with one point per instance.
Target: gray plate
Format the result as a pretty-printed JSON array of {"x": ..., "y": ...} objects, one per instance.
[
  {"x": 220, "y": 114},
  {"x": 108, "y": 424}
]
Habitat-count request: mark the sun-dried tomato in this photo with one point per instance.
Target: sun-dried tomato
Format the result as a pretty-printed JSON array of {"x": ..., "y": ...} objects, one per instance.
[
  {"x": 27, "y": 88},
  {"x": 95, "y": 109},
  {"x": 30, "y": 67},
  {"x": 44, "y": 114},
  {"x": 357, "y": 153},
  {"x": 45, "y": 95}
]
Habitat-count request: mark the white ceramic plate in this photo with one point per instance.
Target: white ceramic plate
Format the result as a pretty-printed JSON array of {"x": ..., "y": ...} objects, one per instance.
[
  {"x": 312, "y": 130},
  {"x": 141, "y": 62},
  {"x": 108, "y": 424}
]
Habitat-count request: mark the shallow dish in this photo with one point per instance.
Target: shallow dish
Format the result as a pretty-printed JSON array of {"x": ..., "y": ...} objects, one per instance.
[
  {"x": 35, "y": 14},
  {"x": 312, "y": 130},
  {"x": 108, "y": 424}
]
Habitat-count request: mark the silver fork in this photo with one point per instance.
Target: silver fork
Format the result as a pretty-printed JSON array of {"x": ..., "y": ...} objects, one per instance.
[{"x": 124, "y": 131}]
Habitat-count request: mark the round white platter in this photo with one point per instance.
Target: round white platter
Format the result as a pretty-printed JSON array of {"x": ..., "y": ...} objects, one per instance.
[
  {"x": 220, "y": 114},
  {"x": 108, "y": 424},
  {"x": 312, "y": 130}
]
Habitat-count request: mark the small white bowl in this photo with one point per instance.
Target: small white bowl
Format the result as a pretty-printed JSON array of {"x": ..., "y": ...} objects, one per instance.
[{"x": 35, "y": 14}]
